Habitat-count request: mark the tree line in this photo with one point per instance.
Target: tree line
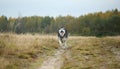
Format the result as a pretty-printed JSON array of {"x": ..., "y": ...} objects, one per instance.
[{"x": 92, "y": 24}]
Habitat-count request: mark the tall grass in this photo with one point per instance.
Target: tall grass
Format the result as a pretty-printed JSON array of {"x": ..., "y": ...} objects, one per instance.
[
  {"x": 29, "y": 51},
  {"x": 93, "y": 53},
  {"x": 21, "y": 51}
]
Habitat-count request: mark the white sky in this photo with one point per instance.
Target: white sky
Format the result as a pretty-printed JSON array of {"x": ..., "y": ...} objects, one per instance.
[{"x": 14, "y": 8}]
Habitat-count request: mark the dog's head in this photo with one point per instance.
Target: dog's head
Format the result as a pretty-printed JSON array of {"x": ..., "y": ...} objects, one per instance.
[{"x": 61, "y": 32}]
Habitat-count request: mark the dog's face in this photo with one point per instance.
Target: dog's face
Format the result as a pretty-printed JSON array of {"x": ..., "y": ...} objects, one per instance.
[{"x": 62, "y": 32}]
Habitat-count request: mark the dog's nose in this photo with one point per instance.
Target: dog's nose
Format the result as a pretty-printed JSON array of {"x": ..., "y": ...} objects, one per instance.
[{"x": 61, "y": 32}]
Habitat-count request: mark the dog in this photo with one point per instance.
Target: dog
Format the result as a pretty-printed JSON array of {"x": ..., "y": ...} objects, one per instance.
[{"x": 62, "y": 37}]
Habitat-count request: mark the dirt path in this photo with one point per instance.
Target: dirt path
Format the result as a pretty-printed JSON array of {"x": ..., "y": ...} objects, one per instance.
[{"x": 55, "y": 61}]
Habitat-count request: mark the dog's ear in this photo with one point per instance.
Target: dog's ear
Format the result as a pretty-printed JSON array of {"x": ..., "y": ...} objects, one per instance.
[{"x": 58, "y": 33}]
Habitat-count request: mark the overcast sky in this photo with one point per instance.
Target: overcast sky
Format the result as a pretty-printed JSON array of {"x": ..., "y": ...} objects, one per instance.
[{"x": 15, "y": 8}]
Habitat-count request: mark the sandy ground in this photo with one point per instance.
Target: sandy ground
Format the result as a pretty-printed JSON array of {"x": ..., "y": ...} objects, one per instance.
[{"x": 54, "y": 62}]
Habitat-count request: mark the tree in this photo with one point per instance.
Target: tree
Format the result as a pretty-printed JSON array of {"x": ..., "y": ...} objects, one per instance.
[
  {"x": 92, "y": 24},
  {"x": 11, "y": 24},
  {"x": 3, "y": 24},
  {"x": 45, "y": 21}
]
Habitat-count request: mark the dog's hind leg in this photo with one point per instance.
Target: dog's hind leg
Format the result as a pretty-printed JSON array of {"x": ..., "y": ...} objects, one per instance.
[{"x": 64, "y": 44}]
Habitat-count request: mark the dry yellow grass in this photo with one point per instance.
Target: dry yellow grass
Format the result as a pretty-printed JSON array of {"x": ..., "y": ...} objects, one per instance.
[
  {"x": 93, "y": 53},
  {"x": 21, "y": 51},
  {"x": 26, "y": 51}
]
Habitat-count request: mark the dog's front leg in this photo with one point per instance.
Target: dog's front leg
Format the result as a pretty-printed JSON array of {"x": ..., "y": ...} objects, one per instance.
[{"x": 60, "y": 42}]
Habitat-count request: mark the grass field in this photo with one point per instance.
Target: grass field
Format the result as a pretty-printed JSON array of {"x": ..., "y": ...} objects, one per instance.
[
  {"x": 25, "y": 51},
  {"x": 29, "y": 51},
  {"x": 93, "y": 53}
]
